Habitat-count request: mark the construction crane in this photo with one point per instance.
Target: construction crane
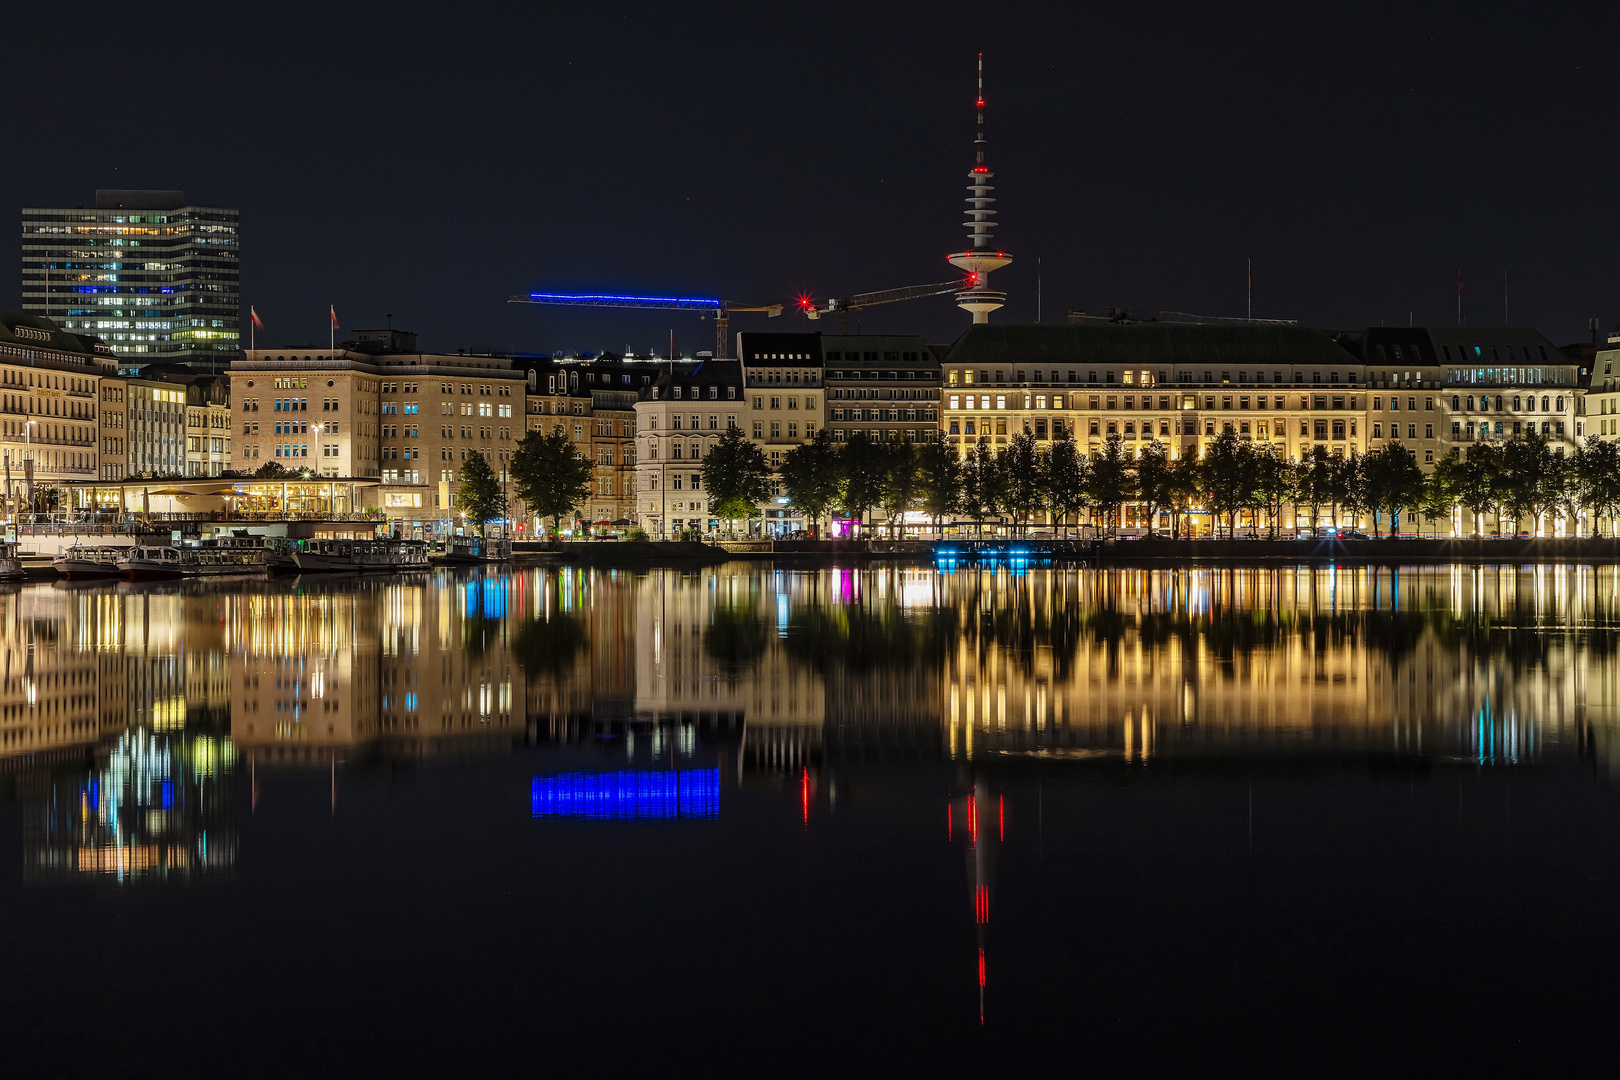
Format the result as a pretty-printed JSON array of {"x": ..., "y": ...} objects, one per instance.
[
  {"x": 842, "y": 306},
  {"x": 720, "y": 309}
]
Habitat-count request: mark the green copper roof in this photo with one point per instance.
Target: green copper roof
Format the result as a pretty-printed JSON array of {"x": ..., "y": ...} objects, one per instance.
[{"x": 43, "y": 333}]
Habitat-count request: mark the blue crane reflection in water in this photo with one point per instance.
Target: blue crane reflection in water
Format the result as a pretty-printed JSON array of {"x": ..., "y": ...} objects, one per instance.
[{"x": 628, "y": 794}]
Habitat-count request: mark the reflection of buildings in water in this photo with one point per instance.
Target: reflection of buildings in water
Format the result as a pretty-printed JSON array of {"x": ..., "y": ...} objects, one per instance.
[
  {"x": 1461, "y": 662},
  {"x": 712, "y": 651},
  {"x": 305, "y": 683},
  {"x": 407, "y": 668},
  {"x": 883, "y": 690},
  {"x": 80, "y": 666},
  {"x": 576, "y": 642},
  {"x": 156, "y": 807},
  {"x": 58, "y": 693}
]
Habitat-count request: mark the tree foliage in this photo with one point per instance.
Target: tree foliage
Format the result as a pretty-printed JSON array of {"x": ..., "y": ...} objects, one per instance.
[
  {"x": 736, "y": 476},
  {"x": 939, "y": 480},
  {"x": 480, "y": 497},
  {"x": 1109, "y": 484},
  {"x": 862, "y": 464},
  {"x": 551, "y": 476},
  {"x": 1064, "y": 477},
  {"x": 810, "y": 477}
]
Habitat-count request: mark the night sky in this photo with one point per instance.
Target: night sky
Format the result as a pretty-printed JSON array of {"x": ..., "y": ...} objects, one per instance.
[{"x": 431, "y": 162}]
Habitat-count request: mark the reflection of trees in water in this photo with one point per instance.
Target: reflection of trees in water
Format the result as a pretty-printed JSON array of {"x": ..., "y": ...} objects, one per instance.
[
  {"x": 478, "y": 633},
  {"x": 1227, "y": 634},
  {"x": 550, "y": 646},
  {"x": 863, "y": 637},
  {"x": 736, "y": 637}
]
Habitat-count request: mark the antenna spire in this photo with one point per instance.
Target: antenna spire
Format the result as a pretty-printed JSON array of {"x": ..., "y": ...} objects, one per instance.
[
  {"x": 978, "y": 141},
  {"x": 981, "y": 257}
]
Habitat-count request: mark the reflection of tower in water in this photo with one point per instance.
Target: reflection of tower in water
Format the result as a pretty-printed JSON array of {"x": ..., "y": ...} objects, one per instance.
[{"x": 982, "y": 821}]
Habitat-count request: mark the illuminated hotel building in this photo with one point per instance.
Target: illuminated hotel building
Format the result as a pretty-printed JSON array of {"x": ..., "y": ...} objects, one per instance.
[
  {"x": 378, "y": 408},
  {"x": 49, "y": 390},
  {"x": 1182, "y": 385},
  {"x": 155, "y": 277}
]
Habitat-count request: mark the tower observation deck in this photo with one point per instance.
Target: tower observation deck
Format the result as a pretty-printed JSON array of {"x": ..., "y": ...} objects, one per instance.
[{"x": 981, "y": 257}]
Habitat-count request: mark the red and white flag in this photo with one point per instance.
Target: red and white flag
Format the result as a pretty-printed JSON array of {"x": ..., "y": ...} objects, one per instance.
[
  {"x": 254, "y": 315},
  {"x": 333, "y": 309}
]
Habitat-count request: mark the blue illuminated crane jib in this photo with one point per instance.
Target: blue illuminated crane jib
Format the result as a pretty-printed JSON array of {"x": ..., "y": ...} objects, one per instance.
[
  {"x": 665, "y": 303},
  {"x": 627, "y": 794}
]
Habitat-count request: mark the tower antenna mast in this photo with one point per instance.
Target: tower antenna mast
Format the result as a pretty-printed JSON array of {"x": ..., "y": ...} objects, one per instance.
[{"x": 981, "y": 257}]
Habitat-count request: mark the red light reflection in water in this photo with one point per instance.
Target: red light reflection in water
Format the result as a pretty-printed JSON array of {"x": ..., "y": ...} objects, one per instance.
[
  {"x": 804, "y": 794},
  {"x": 981, "y": 987}
]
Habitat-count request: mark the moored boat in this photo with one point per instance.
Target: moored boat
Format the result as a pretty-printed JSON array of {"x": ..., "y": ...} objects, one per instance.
[
  {"x": 276, "y": 552},
  {"x": 361, "y": 555},
  {"x": 145, "y": 561},
  {"x": 87, "y": 560},
  {"x": 11, "y": 567},
  {"x": 473, "y": 551},
  {"x": 391, "y": 555},
  {"x": 153, "y": 561}
]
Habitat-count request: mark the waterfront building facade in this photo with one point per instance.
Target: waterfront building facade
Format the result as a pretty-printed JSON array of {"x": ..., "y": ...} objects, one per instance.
[
  {"x": 594, "y": 401},
  {"x": 679, "y": 417},
  {"x": 1438, "y": 389},
  {"x": 49, "y": 389},
  {"x": 376, "y": 407},
  {"x": 1178, "y": 385},
  {"x": 786, "y": 398},
  {"x": 1602, "y": 398},
  {"x": 885, "y": 385},
  {"x": 1181, "y": 386},
  {"x": 785, "y": 378},
  {"x": 154, "y": 276},
  {"x": 113, "y": 445}
]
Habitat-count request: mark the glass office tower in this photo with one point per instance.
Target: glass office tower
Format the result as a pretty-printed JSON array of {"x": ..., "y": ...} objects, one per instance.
[{"x": 151, "y": 275}]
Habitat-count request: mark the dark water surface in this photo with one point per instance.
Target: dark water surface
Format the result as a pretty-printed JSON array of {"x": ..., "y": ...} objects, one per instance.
[{"x": 746, "y": 822}]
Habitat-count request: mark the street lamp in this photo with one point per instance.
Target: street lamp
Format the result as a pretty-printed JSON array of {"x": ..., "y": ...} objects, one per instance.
[{"x": 28, "y": 478}]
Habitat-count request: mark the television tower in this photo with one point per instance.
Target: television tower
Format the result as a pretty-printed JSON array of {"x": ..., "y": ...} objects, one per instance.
[{"x": 981, "y": 257}]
